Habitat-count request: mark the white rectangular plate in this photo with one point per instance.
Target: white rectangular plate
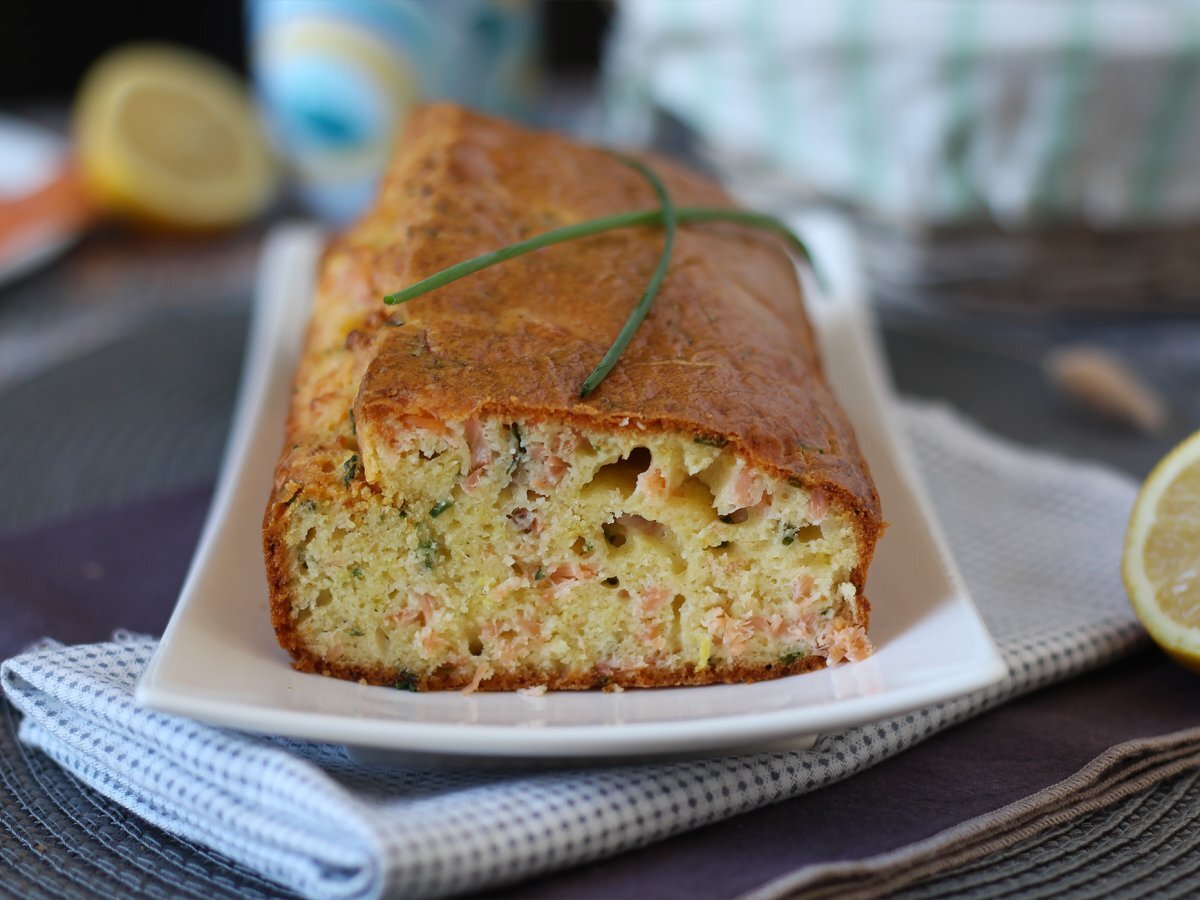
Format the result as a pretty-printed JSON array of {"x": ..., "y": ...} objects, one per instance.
[{"x": 219, "y": 662}]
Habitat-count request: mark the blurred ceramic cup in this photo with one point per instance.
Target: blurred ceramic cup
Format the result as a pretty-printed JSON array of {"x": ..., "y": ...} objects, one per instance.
[
  {"x": 337, "y": 78},
  {"x": 1036, "y": 152}
]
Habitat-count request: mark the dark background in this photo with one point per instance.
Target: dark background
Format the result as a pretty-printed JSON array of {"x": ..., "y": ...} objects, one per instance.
[{"x": 46, "y": 45}]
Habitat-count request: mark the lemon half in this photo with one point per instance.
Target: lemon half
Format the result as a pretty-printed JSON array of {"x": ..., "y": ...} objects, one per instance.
[
  {"x": 168, "y": 136},
  {"x": 1161, "y": 562}
]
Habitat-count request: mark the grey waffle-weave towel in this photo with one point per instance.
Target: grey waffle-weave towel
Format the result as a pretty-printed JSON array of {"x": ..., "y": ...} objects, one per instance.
[{"x": 1037, "y": 538}]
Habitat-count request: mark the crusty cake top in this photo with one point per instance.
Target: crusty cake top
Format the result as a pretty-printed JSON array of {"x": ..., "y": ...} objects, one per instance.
[{"x": 726, "y": 352}]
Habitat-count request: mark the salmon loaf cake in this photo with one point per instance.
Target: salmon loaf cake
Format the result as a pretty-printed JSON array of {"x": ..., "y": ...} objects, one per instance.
[{"x": 449, "y": 513}]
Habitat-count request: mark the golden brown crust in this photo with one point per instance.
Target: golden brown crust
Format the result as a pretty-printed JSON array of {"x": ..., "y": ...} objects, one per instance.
[
  {"x": 450, "y": 679},
  {"x": 726, "y": 352},
  {"x": 278, "y": 582}
]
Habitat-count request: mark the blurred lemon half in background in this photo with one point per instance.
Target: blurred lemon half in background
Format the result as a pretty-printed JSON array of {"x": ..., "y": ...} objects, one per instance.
[
  {"x": 166, "y": 136},
  {"x": 1162, "y": 553}
]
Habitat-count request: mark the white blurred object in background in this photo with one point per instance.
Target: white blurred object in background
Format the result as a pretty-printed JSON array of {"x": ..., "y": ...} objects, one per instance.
[
  {"x": 42, "y": 209},
  {"x": 926, "y": 116},
  {"x": 336, "y": 79}
]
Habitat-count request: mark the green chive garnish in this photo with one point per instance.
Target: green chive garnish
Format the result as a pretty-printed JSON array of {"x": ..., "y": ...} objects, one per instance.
[
  {"x": 440, "y": 507},
  {"x": 684, "y": 215},
  {"x": 668, "y": 216},
  {"x": 656, "y": 279}
]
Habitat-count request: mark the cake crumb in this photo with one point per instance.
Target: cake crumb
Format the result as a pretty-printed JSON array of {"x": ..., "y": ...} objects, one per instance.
[
  {"x": 483, "y": 671},
  {"x": 613, "y": 689},
  {"x": 536, "y": 691}
]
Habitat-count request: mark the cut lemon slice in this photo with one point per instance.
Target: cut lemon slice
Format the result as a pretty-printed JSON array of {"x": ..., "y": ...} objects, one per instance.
[
  {"x": 167, "y": 136},
  {"x": 1161, "y": 562}
]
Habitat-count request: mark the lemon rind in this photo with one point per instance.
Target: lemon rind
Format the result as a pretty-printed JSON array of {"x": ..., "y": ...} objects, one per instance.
[{"x": 1180, "y": 642}]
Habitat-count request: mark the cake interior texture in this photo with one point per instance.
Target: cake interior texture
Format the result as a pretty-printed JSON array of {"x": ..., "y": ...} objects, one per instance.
[{"x": 513, "y": 552}]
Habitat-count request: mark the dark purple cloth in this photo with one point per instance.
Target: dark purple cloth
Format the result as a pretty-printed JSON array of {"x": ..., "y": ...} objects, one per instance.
[{"x": 79, "y": 580}]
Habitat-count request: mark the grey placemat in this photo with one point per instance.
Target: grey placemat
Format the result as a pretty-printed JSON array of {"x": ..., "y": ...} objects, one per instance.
[
  {"x": 1148, "y": 846},
  {"x": 61, "y": 840},
  {"x": 136, "y": 417},
  {"x": 58, "y": 839},
  {"x": 989, "y": 846}
]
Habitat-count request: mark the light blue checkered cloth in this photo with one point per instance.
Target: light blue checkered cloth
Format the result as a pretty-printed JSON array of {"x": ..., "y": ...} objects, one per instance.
[{"x": 1037, "y": 539}]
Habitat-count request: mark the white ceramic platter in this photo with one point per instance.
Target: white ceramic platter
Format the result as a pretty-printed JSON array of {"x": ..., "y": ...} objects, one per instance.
[{"x": 218, "y": 661}]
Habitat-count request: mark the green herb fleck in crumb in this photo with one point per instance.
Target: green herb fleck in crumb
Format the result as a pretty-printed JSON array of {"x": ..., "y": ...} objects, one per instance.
[
  {"x": 789, "y": 533},
  {"x": 350, "y": 469},
  {"x": 407, "y": 682},
  {"x": 441, "y": 507},
  {"x": 588, "y": 546},
  {"x": 356, "y": 632},
  {"x": 788, "y": 658},
  {"x": 539, "y": 574},
  {"x": 429, "y": 552},
  {"x": 519, "y": 453},
  {"x": 309, "y": 506},
  {"x": 356, "y": 571},
  {"x": 709, "y": 441},
  {"x": 809, "y": 448}
]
